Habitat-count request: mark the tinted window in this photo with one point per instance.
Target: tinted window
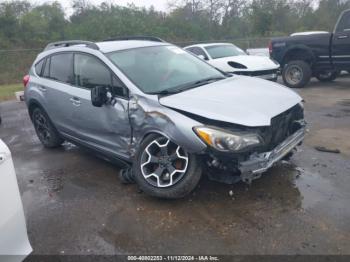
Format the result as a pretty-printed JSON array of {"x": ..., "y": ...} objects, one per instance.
[
  {"x": 219, "y": 51},
  {"x": 39, "y": 67},
  {"x": 118, "y": 88},
  {"x": 61, "y": 68},
  {"x": 90, "y": 72},
  {"x": 46, "y": 71},
  {"x": 198, "y": 51},
  {"x": 344, "y": 22}
]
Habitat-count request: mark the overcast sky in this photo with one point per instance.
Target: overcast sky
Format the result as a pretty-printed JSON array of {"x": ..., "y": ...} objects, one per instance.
[{"x": 160, "y": 5}]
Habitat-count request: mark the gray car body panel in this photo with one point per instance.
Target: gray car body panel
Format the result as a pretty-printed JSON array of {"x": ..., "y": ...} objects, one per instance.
[
  {"x": 240, "y": 100},
  {"x": 119, "y": 128}
]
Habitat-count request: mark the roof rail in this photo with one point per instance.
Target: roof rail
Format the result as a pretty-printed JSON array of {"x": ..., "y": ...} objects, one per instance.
[
  {"x": 145, "y": 38},
  {"x": 71, "y": 43}
]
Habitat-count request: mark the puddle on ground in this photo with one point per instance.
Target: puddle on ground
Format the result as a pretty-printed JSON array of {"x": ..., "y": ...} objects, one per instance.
[
  {"x": 318, "y": 192},
  {"x": 344, "y": 102},
  {"x": 53, "y": 179}
]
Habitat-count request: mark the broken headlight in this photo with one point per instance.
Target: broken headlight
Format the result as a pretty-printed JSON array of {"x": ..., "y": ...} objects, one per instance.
[{"x": 226, "y": 141}]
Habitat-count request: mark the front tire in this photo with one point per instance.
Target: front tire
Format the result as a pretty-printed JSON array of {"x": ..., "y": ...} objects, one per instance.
[
  {"x": 327, "y": 76},
  {"x": 45, "y": 130},
  {"x": 165, "y": 170},
  {"x": 296, "y": 74}
]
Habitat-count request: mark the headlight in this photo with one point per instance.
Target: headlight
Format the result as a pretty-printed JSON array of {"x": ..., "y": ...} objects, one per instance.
[{"x": 225, "y": 141}]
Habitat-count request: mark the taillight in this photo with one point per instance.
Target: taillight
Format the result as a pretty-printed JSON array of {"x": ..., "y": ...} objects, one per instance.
[
  {"x": 270, "y": 47},
  {"x": 25, "y": 80}
]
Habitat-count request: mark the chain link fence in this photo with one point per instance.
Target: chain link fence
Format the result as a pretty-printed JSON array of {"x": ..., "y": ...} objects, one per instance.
[{"x": 15, "y": 63}]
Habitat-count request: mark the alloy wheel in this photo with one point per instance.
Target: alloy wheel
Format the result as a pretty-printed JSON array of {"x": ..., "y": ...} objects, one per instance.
[
  {"x": 163, "y": 163},
  {"x": 41, "y": 126}
]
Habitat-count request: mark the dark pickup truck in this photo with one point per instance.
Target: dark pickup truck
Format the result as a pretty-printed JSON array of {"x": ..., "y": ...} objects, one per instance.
[{"x": 316, "y": 55}]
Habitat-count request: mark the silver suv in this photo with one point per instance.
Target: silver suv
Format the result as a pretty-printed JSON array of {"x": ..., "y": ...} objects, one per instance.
[{"x": 161, "y": 110}]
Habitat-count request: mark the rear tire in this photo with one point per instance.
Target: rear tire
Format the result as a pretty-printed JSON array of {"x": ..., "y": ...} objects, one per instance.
[
  {"x": 153, "y": 168},
  {"x": 45, "y": 130},
  {"x": 296, "y": 74},
  {"x": 327, "y": 76}
]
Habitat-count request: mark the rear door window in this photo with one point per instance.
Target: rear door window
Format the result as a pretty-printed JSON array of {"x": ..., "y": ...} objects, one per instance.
[
  {"x": 61, "y": 68},
  {"x": 39, "y": 67}
]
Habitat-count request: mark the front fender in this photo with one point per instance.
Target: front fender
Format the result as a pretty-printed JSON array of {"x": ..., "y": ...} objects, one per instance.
[{"x": 148, "y": 116}]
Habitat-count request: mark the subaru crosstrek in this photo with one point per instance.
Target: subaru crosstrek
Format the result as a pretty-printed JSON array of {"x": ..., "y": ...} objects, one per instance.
[{"x": 163, "y": 111}]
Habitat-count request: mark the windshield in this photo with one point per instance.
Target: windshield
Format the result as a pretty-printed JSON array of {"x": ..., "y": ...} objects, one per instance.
[
  {"x": 159, "y": 69},
  {"x": 219, "y": 51}
]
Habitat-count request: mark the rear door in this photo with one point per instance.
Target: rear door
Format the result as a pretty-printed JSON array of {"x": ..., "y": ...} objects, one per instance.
[
  {"x": 57, "y": 80},
  {"x": 105, "y": 127},
  {"x": 341, "y": 42},
  {"x": 13, "y": 231}
]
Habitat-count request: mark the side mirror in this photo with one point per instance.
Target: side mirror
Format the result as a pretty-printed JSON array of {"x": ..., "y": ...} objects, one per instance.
[{"x": 99, "y": 96}]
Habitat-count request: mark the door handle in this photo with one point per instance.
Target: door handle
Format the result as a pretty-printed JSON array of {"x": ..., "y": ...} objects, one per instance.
[
  {"x": 342, "y": 37},
  {"x": 75, "y": 101}
]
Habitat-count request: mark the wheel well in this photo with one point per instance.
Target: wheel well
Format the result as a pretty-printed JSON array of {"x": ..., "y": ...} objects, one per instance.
[
  {"x": 32, "y": 105},
  {"x": 149, "y": 134},
  {"x": 298, "y": 54}
]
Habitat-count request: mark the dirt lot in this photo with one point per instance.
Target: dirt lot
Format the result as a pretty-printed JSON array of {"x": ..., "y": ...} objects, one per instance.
[{"x": 75, "y": 204}]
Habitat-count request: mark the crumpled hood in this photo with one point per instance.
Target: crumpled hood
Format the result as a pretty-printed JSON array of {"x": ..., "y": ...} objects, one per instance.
[
  {"x": 253, "y": 63},
  {"x": 240, "y": 100}
]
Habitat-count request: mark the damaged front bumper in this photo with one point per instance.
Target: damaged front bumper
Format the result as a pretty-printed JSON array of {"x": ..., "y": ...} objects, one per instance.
[{"x": 259, "y": 163}]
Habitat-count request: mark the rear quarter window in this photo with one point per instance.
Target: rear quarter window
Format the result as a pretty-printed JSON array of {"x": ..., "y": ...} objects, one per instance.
[
  {"x": 46, "y": 70},
  {"x": 39, "y": 67}
]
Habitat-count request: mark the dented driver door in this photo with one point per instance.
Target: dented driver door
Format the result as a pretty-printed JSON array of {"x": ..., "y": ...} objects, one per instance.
[{"x": 104, "y": 128}]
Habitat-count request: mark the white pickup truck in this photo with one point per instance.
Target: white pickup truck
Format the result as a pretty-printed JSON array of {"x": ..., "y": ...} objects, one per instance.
[{"x": 14, "y": 243}]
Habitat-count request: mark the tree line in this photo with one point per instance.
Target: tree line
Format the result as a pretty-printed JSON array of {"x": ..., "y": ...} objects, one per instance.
[{"x": 26, "y": 25}]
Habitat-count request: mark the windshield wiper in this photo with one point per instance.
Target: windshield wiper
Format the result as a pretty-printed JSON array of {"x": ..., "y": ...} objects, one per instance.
[
  {"x": 210, "y": 79},
  {"x": 199, "y": 83},
  {"x": 188, "y": 86}
]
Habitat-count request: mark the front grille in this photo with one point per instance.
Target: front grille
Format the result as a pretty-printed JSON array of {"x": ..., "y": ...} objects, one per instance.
[
  {"x": 256, "y": 73},
  {"x": 282, "y": 126}
]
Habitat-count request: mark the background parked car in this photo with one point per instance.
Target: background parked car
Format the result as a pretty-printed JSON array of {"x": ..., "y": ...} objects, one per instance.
[
  {"x": 231, "y": 59},
  {"x": 321, "y": 55},
  {"x": 14, "y": 243}
]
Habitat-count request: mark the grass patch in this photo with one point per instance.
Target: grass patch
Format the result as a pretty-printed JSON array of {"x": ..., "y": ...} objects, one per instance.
[{"x": 7, "y": 92}]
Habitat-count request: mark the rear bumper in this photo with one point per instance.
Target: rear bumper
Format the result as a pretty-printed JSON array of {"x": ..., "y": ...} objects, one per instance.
[{"x": 259, "y": 163}]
